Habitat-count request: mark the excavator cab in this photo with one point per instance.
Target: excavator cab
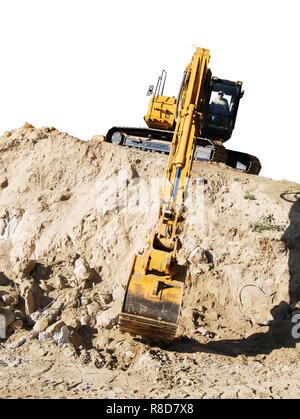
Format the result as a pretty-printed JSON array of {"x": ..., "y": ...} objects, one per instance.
[{"x": 221, "y": 108}]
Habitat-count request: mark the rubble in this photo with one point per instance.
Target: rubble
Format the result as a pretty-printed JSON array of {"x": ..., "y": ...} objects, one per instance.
[
  {"x": 41, "y": 325},
  {"x": 44, "y": 335},
  {"x": 63, "y": 336},
  {"x": 55, "y": 328},
  {"x": 82, "y": 270},
  {"x": 107, "y": 319}
]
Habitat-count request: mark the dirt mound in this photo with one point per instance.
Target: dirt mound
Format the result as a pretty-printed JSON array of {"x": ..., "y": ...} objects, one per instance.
[{"x": 73, "y": 213}]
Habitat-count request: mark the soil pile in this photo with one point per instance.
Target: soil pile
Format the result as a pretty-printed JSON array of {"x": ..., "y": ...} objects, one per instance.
[{"x": 72, "y": 215}]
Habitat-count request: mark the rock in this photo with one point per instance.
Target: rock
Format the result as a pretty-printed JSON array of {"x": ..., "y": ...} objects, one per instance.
[
  {"x": 181, "y": 259},
  {"x": 9, "y": 220},
  {"x": 29, "y": 302},
  {"x": 28, "y": 267},
  {"x": 41, "y": 325},
  {"x": 27, "y": 125},
  {"x": 82, "y": 270},
  {"x": 17, "y": 344},
  {"x": 8, "y": 316},
  {"x": 7, "y": 134},
  {"x": 54, "y": 328},
  {"x": 65, "y": 196},
  {"x": 63, "y": 336},
  {"x": 107, "y": 319},
  {"x": 3, "y": 182},
  {"x": 69, "y": 317},
  {"x": 25, "y": 266},
  {"x": 16, "y": 325},
  {"x": 11, "y": 299},
  {"x": 92, "y": 309},
  {"x": 44, "y": 335},
  {"x": 84, "y": 320}
]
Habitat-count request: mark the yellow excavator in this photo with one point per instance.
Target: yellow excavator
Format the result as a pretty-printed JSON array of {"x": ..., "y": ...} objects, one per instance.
[
  {"x": 218, "y": 103},
  {"x": 153, "y": 297}
]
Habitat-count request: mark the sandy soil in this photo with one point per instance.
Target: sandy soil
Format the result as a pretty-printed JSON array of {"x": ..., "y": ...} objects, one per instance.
[{"x": 72, "y": 215}]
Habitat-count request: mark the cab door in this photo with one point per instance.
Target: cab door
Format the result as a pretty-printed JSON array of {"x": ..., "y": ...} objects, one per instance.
[{"x": 221, "y": 109}]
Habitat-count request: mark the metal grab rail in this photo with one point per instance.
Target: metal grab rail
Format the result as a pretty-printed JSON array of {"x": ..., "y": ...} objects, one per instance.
[{"x": 159, "y": 89}]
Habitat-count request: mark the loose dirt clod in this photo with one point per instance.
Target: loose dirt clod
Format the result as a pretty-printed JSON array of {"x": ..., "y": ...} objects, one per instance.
[{"x": 72, "y": 215}]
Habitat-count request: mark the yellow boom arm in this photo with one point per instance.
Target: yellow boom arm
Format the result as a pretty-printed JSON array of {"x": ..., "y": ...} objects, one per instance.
[{"x": 153, "y": 298}]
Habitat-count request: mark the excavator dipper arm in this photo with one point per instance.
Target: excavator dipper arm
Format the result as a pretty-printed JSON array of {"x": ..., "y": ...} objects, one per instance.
[{"x": 154, "y": 292}]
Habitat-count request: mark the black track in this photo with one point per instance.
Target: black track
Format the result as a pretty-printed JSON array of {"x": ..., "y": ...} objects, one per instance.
[{"x": 159, "y": 141}]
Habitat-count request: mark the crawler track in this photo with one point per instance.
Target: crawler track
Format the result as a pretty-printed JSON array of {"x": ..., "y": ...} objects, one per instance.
[{"x": 160, "y": 141}]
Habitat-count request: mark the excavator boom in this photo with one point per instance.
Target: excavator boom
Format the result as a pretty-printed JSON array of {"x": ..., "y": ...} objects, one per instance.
[{"x": 154, "y": 292}]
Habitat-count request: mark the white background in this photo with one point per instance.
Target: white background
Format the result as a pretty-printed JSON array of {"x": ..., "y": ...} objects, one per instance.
[{"x": 83, "y": 66}]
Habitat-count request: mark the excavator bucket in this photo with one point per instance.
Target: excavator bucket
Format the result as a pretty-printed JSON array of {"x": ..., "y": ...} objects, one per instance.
[{"x": 151, "y": 305}]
